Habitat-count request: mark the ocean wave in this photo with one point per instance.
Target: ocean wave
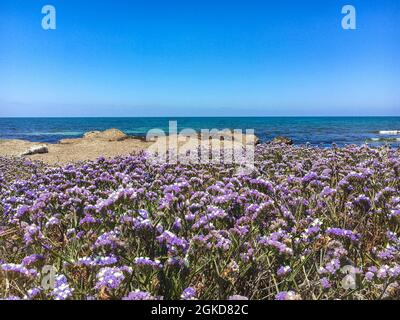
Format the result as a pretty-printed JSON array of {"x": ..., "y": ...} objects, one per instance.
[
  {"x": 390, "y": 132},
  {"x": 61, "y": 133},
  {"x": 384, "y": 139}
]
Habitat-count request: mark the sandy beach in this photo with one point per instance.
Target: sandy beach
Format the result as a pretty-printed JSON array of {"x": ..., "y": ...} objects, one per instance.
[{"x": 109, "y": 143}]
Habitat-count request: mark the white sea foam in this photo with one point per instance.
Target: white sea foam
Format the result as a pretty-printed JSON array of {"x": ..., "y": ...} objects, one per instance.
[
  {"x": 385, "y": 139},
  {"x": 390, "y": 132},
  {"x": 61, "y": 133}
]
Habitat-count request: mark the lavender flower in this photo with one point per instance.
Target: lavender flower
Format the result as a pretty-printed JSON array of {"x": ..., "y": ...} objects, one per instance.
[
  {"x": 32, "y": 293},
  {"x": 109, "y": 239},
  {"x": 284, "y": 270},
  {"x": 325, "y": 283},
  {"x": 62, "y": 290},
  {"x": 343, "y": 233},
  {"x": 302, "y": 206},
  {"x": 111, "y": 277},
  {"x": 287, "y": 295},
  {"x": 189, "y": 294},
  {"x": 138, "y": 295},
  {"x": 31, "y": 259},
  {"x": 147, "y": 262},
  {"x": 19, "y": 269}
]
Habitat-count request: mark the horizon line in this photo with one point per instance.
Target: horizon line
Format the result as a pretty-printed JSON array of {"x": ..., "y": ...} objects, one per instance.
[{"x": 166, "y": 117}]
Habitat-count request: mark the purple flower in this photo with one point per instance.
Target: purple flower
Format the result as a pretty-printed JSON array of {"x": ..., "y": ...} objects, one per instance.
[
  {"x": 309, "y": 177},
  {"x": 52, "y": 221},
  {"x": 325, "y": 283},
  {"x": 363, "y": 202},
  {"x": 394, "y": 213},
  {"x": 287, "y": 295},
  {"x": 281, "y": 247},
  {"x": 139, "y": 295},
  {"x": 97, "y": 261},
  {"x": 108, "y": 239},
  {"x": 31, "y": 232},
  {"x": 369, "y": 275},
  {"x": 111, "y": 277},
  {"x": 343, "y": 233},
  {"x": 141, "y": 261},
  {"x": 331, "y": 267},
  {"x": 10, "y": 298},
  {"x": 88, "y": 219},
  {"x": 19, "y": 269},
  {"x": 176, "y": 262},
  {"x": 189, "y": 294},
  {"x": 62, "y": 290},
  {"x": 32, "y": 293},
  {"x": 383, "y": 272},
  {"x": 28, "y": 260},
  {"x": 177, "y": 224},
  {"x": 284, "y": 270},
  {"x": 21, "y": 212},
  {"x": 327, "y": 192},
  {"x": 174, "y": 244}
]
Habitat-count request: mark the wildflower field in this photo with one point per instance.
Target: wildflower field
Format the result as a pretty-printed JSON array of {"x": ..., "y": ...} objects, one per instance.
[{"x": 308, "y": 223}]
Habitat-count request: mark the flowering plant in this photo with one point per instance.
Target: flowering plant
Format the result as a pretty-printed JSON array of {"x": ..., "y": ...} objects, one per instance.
[{"x": 127, "y": 228}]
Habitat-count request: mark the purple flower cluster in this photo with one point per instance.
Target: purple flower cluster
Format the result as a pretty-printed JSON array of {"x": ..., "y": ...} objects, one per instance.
[
  {"x": 147, "y": 262},
  {"x": 32, "y": 259},
  {"x": 198, "y": 231},
  {"x": 97, "y": 261},
  {"x": 342, "y": 233},
  {"x": 111, "y": 277},
  {"x": 287, "y": 295},
  {"x": 18, "y": 269},
  {"x": 189, "y": 294},
  {"x": 139, "y": 295},
  {"x": 62, "y": 290},
  {"x": 107, "y": 239}
]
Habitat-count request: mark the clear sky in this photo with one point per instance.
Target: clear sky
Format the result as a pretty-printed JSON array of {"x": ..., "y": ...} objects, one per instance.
[{"x": 199, "y": 58}]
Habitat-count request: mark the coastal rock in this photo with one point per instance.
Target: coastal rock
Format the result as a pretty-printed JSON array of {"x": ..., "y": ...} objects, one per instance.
[
  {"x": 282, "y": 140},
  {"x": 91, "y": 134},
  {"x": 240, "y": 137},
  {"x": 40, "y": 149},
  {"x": 107, "y": 135},
  {"x": 244, "y": 136},
  {"x": 110, "y": 135}
]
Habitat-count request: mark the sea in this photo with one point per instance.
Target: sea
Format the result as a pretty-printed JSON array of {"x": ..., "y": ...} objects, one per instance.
[{"x": 317, "y": 131}]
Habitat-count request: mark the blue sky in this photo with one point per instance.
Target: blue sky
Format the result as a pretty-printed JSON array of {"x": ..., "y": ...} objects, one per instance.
[{"x": 199, "y": 58}]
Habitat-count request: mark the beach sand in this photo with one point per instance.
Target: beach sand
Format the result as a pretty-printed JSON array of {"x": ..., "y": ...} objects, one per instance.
[{"x": 109, "y": 143}]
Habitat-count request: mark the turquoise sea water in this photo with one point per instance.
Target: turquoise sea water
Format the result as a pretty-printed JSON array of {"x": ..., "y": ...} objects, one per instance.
[{"x": 321, "y": 131}]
